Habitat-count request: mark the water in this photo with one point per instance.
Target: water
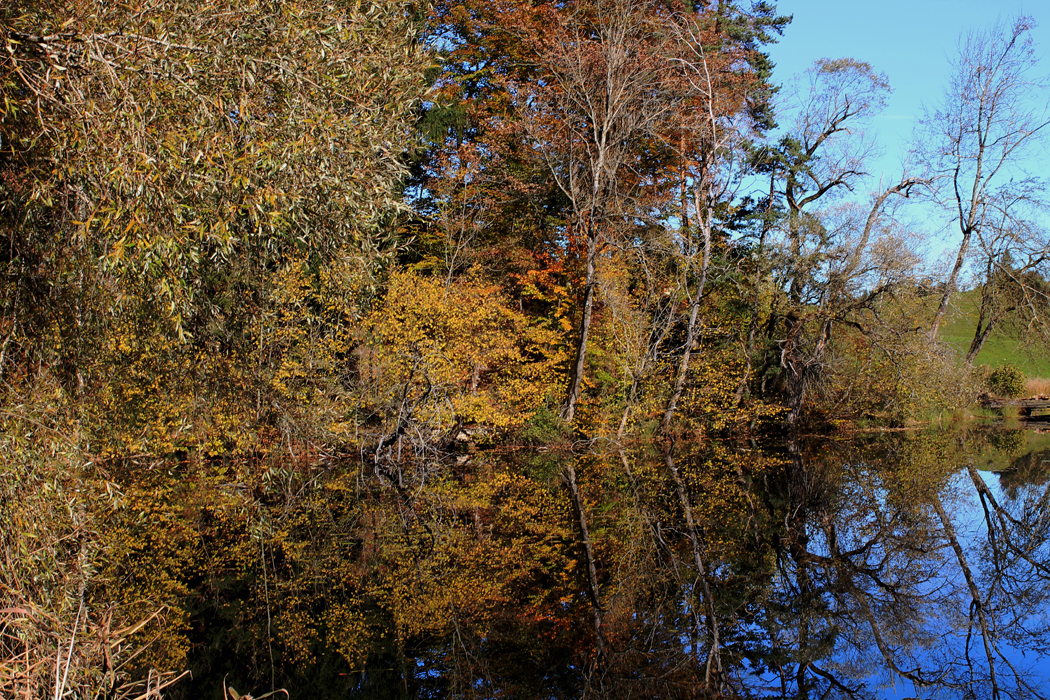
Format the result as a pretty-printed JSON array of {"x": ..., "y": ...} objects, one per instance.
[{"x": 824, "y": 568}]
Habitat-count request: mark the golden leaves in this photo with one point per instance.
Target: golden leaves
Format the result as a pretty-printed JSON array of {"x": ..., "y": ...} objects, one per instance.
[{"x": 457, "y": 352}]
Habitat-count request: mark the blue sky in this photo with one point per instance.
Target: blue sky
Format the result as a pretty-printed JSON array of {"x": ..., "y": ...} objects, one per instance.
[{"x": 911, "y": 41}]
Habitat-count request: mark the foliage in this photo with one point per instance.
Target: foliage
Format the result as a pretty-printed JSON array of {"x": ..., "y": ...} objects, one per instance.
[
  {"x": 1007, "y": 381},
  {"x": 442, "y": 355},
  {"x": 544, "y": 427},
  {"x": 167, "y": 150}
]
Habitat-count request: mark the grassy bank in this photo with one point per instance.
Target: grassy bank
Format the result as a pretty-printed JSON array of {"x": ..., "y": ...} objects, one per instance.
[{"x": 999, "y": 349}]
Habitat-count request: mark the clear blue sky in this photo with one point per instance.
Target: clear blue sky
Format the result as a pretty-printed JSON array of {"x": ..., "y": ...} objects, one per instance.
[{"x": 911, "y": 41}]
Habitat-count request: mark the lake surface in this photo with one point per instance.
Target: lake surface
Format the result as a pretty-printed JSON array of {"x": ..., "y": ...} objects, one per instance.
[{"x": 876, "y": 566}]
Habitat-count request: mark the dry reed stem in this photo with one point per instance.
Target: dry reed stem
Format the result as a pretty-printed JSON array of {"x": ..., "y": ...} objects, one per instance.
[
  {"x": 33, "y": 641},
  {"x": 1038, "y": 386}
]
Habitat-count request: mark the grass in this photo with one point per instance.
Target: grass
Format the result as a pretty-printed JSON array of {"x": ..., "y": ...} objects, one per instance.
[{"x": 998, "y": 350}]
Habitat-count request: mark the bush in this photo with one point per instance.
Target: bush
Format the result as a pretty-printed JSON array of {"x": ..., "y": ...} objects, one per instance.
[
  {"x": 545, "y": 427},
  {"x": 1007, "y": 381}
]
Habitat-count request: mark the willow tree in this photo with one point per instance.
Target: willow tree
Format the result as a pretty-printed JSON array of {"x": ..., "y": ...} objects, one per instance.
[{"x": 157, "y": 150}]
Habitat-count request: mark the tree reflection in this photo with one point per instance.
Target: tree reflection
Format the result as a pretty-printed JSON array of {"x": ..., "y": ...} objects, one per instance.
[
  {"x": 853, "y": 568},
  {"x": 875, "y": 571},
  {"x": 819, "y": 569}
]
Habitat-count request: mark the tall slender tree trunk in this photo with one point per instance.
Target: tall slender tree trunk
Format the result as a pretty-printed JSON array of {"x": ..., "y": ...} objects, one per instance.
[
  {"x": 988, "y": 317},
  {"x": 569, "y": 411},
  {"x": 683, "y": 366},
  {"x": 650, "y": 358},
  {"x": 705, "y": 223},
  {"x": 980, "y": 336}
]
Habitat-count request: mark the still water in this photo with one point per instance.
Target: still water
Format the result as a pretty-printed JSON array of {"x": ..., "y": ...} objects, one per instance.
[{"x": 876, "y": 566}]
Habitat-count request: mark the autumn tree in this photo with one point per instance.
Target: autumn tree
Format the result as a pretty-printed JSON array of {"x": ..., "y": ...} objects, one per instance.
[
  {"x": 569, "y": 141},
  {"x": 587, "y": 108},
  {"x": 483, "y": 198},
  {"x": 834, "y": 258},
  {"x": 722, "y": 77},
  {"x": 176, "y": 152},
  {"x": 635, "y": 108}
]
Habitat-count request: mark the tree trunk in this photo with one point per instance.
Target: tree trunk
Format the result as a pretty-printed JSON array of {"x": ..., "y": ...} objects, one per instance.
[
  {"x": 694, "y": 311},
  {"x": 988, "y": 318},
  {"x": 683, "y": 367},
  {"x": 979, "y": 338},
  {"x": 652, "y": 353},
  {"x": 800, "y": 371},
  {"x": 569, "y": 412}
]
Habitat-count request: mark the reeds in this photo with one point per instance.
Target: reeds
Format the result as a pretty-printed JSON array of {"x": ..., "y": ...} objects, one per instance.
[
  {"x": 1038, "y": 386},
  {"x": 43, "y": 656},
  {"x": 53, "y": 643}
]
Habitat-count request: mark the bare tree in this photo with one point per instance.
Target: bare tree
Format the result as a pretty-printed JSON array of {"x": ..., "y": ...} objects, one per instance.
[
  {"x": 830, "y": 270},
  {"x": 974, "y": 145}
]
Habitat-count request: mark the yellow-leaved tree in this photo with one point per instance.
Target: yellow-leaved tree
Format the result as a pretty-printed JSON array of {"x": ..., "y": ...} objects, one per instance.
[{"x": 437, "y": 356}]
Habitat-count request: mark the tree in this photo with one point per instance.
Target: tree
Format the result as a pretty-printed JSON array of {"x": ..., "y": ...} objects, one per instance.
[
  {"x": 592, "y": 100},
  {"x": 176, "y": 178},
  {"x": 833, "y": 263},
  {"x": 175, "y": 153},
  {"x": 974, "y": 146},
  {"x": 724, "y": 78}
]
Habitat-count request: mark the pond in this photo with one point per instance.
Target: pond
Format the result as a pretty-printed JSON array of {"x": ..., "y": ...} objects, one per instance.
[{"x": 884, "y": 565}]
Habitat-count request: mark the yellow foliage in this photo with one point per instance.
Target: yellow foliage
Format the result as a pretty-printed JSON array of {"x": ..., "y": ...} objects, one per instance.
[
  {"x": 52, "y": 534},
  {"x": 281, "y": 380},
  {"x": 304, "y": 342},
  {"x": 155, "y": 395},
  {"x": 709, "y": 399},
  {"x": 456, "y": 353}
]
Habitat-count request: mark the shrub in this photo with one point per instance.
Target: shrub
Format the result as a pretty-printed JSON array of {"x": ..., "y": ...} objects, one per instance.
[
  {"x": 545, "y": 427},
  {"x": 1007, "y": 381}
]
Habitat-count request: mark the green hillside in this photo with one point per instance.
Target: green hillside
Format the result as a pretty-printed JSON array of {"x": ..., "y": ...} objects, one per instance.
[{"x": 998, "y": 350}]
